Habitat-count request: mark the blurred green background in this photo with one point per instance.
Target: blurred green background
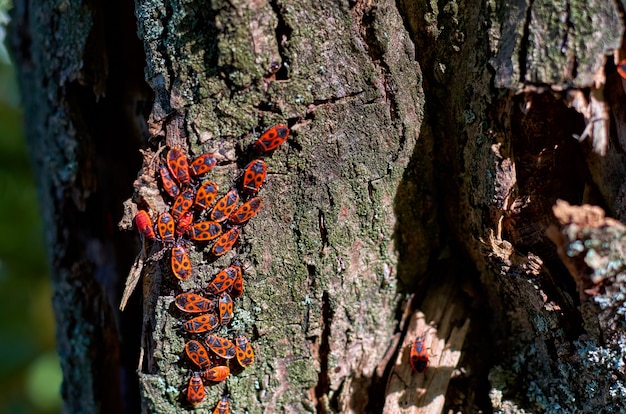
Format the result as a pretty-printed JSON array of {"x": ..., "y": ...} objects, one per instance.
[{"x": 30, "y": 375}]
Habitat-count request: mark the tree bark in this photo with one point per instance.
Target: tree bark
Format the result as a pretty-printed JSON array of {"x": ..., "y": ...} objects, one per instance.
[
  {"x": 429, "y": 145},
  {"x": 321, "y": 293},
  {"x": 80, "y": 70}
]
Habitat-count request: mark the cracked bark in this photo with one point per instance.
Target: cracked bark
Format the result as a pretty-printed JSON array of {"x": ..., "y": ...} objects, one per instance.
[{"x": 359, "y": 213}]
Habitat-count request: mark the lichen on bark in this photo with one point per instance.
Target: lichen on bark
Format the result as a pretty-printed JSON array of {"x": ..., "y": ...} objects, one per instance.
[
  {"x": 357, "y": 209},
  {"x": 320, "y": 297}
]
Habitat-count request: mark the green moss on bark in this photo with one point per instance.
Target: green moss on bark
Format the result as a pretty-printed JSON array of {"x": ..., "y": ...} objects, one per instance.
[{"x": 327, "y": 227}]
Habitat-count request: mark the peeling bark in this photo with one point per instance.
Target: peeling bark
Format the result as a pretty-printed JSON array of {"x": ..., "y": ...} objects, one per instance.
[{"x": 511, "y": 154}]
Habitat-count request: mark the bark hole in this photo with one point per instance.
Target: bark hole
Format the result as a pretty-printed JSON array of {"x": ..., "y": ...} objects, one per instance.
[
  {"x": 550, "y": 165},
  {"x": 323, "y": 383},
  {"x": 283, "y": 33},
  {"x": 524, "y": 41},
  {"x": 109, "y": 111}
]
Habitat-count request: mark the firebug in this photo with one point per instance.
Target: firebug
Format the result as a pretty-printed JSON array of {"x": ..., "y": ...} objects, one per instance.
[
  {"x": 206, "y": 195},
  {"x": 621, "y": 68},
  {"x": 246, "y": 211},
  {"x": 183, "y": 203},
  {"x": 198, "y": 354},
  {"x": 226, "y": 241},
  {"x": 202, "y": 165},
  {"x": 192, "y": 303},
  {"x": 244, "y": 351},
  {"x": 181, "y": 265},
  {"x": 195, "y": 390},
  {"x": 272, "y": 138},
  {"x": 225, "y": 206},
  {"x": 216, "y": 374},
  {"x": 223, "y": 407},
  {"x": 224, "y": 279},
  {"x": 419, "y": 355},
  {"x": 184, "y": 223},
  {"x": 144, "y": 225},
  {"x": 178, "y": 165},
  {"x": 202, "y": 323},
  {"x": 169, "y": 185},
  {"x": 237, "y": 289},
  {"x": 253, "y": 177},
  {"x": 226, "y": 308},
  {"x": 205, "y": 231},
  {"x": 221, "y": 346},
  {"x": 165, "y": 226}
]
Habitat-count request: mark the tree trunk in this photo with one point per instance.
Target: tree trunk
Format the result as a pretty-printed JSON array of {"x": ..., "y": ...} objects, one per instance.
[
  {"x": 81, "y": 76},
  {"x": 429, "y": 145}
]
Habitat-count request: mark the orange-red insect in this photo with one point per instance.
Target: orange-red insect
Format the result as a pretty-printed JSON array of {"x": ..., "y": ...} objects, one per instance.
[
  {"x": 183, "y": 203},
  {"x": 202, "y": 323},
  {"x": 226, "y": 308},
  {"x": 165, "y": 226},
  {"x": 169, "y": 185},
  {"x": 226, "y": 241},
  {"x": 225, "y": 206},
  {"x": 272, "y": 138},
  {"x": 184, "y": 223},
  {"x": 244, "y": 351},
  {"x": 181, "y": 265},
  {"x": 144, "y": 225},
  {"x": 202, "y": 165},
  {"x": 195, "y": 390},
  {"x": 224, "y": 279},
  {"x": 221, "y": 346},
  {"x": 237, "y": 289},
  {"x": 206, "y": 195},
  {"x": 246, "y": 211},
  {"x": 216, "y": 374},
  {"x": 253, "y": 177},
  {"x": 223, "y": 407},
  {"x": 621, "y": 68},
  {"x": 205, "y": 231},
  {"x": 419, "y": 355},
  {"x": 192, "y": 303},
  {"x": 178, "y": 165},
  {"x": 198, "y": 354}
]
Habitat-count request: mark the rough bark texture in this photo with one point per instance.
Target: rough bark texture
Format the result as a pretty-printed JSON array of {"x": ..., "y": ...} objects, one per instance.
[
  {"x": 511, "y": 155},
  {"x": 430, "y": 142},
  {"x": 321, "y": 293}
]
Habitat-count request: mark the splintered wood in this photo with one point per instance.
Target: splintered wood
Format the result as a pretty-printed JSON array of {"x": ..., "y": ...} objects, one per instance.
[{"x": 424, "y": 393}]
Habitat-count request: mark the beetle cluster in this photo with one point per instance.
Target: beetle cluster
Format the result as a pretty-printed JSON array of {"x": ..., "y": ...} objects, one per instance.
[{"x": 198, "y": 215}]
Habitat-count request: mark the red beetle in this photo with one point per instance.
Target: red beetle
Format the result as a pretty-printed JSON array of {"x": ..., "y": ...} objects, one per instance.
[{"x": 419, "y": 355}]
